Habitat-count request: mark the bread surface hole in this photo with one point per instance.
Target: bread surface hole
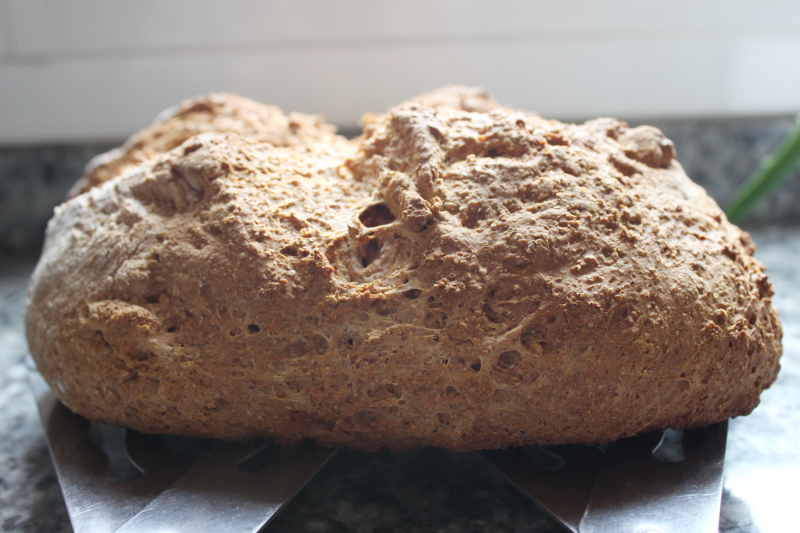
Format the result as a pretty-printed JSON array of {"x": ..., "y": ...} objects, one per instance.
[
  {"x": 376, "y": 215},
  {"x": 435, "y": 320},
  {"x": 412, "y": 294},
  {"x": 508, "y": 359},
  {"x": 370, "y": 252},
  {"x": 491, "y": 314}
]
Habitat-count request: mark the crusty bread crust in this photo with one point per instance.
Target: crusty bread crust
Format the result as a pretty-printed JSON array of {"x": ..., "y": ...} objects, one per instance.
[
  {"x": 216, "y": 112},
  {"x": 463, "y": 275}
]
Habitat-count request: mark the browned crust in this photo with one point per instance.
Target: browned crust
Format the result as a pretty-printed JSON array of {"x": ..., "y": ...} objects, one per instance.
[
  {"x": 216, "y": 112},
  {"x": 456, "y": 278}
]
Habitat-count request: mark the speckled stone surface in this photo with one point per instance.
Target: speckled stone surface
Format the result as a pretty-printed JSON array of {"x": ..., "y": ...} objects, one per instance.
[
  {"x": 30, "y": 498},
  {"x": 430, "y": 490},
  {"x": 33, "y": 181}
]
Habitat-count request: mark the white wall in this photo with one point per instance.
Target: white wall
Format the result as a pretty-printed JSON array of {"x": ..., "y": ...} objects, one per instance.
[{"x": 75, "y": 70}]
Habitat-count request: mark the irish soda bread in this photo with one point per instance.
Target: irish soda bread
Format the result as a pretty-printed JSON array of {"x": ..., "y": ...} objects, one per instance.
[{"x": 462, "y": 275}]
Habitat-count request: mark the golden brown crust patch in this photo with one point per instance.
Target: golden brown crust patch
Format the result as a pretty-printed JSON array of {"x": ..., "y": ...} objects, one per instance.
[{"x": 216, "y": 112}]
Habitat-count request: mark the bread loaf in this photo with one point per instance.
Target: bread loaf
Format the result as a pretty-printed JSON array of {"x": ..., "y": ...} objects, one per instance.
[{"x": 463, "y": 275}]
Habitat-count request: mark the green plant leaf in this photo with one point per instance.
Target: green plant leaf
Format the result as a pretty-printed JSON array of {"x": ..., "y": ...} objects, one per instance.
[{"x": 773, "y": 169}]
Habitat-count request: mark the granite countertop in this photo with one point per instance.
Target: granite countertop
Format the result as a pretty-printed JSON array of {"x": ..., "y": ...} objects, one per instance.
[{"x": 430, "y": 490}]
